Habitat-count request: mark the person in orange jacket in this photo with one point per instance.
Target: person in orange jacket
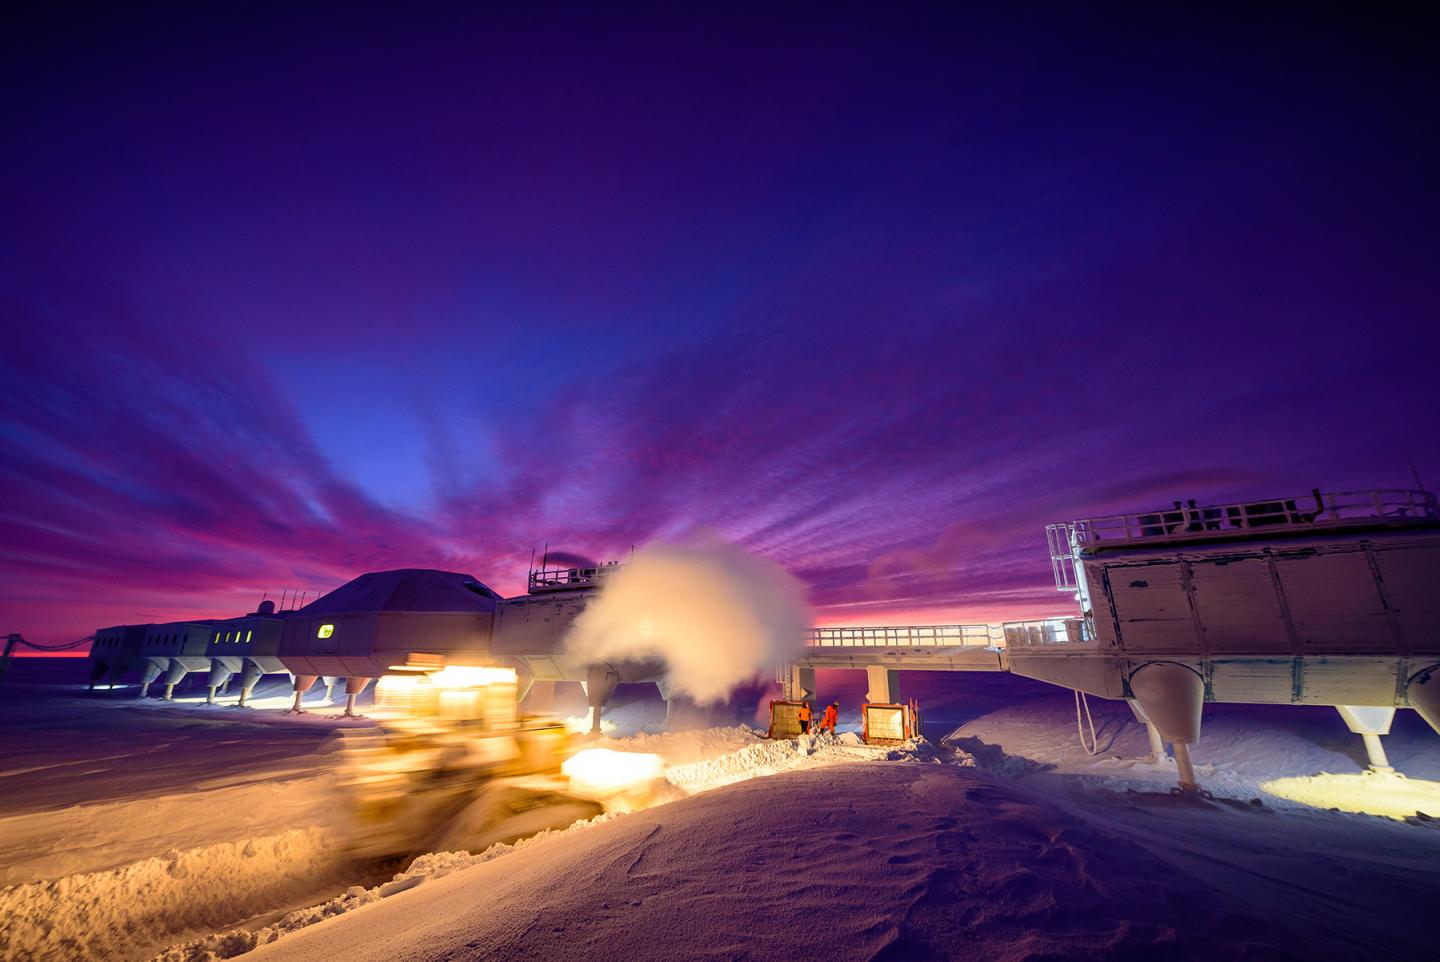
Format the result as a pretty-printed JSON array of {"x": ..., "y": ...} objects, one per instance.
[
  {"x": 831, "y": 716},
  {"x": 804, "y": 716}
]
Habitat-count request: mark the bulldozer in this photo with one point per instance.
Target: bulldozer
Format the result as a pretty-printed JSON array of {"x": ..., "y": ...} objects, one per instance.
[{"x": 451, "y": 764}]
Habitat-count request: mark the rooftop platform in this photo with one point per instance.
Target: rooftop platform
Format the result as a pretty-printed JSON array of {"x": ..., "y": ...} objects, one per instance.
[
  {"x": 1186, "y": 522},
  {"x": 544, "y": 580}
]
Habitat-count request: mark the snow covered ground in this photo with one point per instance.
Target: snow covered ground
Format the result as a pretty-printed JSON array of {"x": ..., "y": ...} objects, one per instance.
[
  {"x": 124, "y": 825},
  {"x": 127, "y": 828},
  {"x": 882, "y": 862}
]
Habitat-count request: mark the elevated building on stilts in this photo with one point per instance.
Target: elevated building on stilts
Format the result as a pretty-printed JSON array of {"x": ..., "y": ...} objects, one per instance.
[
  {"x": 247, "y": 647},
  {"x": 1322, "y": 599},
  {"x": 116, "y": 651},
  {"x": 374, "y": 623},
  {"x": 530, "y": 633},
  {"x": 171, "y": 651}
]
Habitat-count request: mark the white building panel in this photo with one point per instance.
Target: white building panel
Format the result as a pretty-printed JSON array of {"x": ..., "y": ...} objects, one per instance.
[
  {"x": 1099, "y": 596},
  {"x": 1258, "y": 681},
  {"x": 1349, "y": 681},
  {"x": 1239, "y": 609},
  {"x": 1412, "y": 585},
  {"x": 1152, "y": 607},
  {"x": 1334, "y": 602}
]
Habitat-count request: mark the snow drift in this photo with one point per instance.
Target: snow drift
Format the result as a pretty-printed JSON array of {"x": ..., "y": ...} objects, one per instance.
[
  {"x": 119, "y": 913},
  {"x": 715, "y": 614},
  {"x": 717, "y": 757},
  {"x": 844, "y": 862}
]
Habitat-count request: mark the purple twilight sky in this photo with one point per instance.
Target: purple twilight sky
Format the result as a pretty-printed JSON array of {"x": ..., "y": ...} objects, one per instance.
[{"x": 873, "y": 290}]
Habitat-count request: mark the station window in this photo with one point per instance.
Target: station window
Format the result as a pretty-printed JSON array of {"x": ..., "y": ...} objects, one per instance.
[
  {"x": 325, "y": 631},
  {"x": 248, "y": 635}
]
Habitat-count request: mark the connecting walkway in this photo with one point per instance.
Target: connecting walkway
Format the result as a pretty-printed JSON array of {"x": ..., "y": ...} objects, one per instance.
[{"x": 884, "y": 651}]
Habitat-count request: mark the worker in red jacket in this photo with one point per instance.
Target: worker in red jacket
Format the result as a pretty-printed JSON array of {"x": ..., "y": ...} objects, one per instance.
[{"x": 831, "y": 716}]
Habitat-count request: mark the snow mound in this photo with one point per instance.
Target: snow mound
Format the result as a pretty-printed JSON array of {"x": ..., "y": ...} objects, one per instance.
[
  {"x": 758, "y": 756},
  {"x": 120, "y": 912},
  {"x": 879, "y": 862},
  {"x": 434, "y": 865},
  {"x": 766, "y": 757},
  {"x": 687, "y": 746}
]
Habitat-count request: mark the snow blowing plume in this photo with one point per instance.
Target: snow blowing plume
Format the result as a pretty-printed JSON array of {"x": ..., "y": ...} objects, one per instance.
[{"x": 717, "y": 616}]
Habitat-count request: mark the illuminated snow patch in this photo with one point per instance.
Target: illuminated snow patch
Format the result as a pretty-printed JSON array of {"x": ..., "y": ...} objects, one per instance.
[
  {"x": 1369, "y": 793},
  {"x": 581, "y": 725}
]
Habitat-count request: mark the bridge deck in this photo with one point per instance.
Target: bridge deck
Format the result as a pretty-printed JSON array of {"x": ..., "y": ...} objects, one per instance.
[
  {"x": 911, "y": 657},
  {"x": 925, "y": 647}
]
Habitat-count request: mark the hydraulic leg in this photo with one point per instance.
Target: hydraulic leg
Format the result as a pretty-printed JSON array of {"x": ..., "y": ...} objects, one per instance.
[
  {"x": 1157, "y": 744},
  {"x": 599, "y": 684},
  {"x": 249, "y": 676},
  {"x": 1370, "y": 723},
  {"x": 353, "y": 687},
  {"x": 1172, "y": 696},
  {"x": 219, "y": 676},
  {"x": 884, "y": 686},
  {"x": 152, "y": 671},
  {"x": 303, "y": 683},
  {"x": 173, "y": 677}
]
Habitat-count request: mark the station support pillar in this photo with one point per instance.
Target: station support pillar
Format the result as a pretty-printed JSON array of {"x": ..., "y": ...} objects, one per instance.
[
  {"x": 599, "y": 685},
  {"x": 220, "y": 673},
  {"x": 800, "y": 684},
  {"x": 1423, "y": 693},
  {"x": 248, "y": 678},
  {"x": 303, "y": 683},
  {"x": 1172, "y": 696},
  {"x": 1370, "y": 723},
  {"x": 152, "y": 671},
  {"x": 173, "y": 677},
  {"x": 353, "y": 687},
  {"x": 542, "y": 696},
  {"x": 884, "y": 685},
  {"x": 1157, "y": 743}
]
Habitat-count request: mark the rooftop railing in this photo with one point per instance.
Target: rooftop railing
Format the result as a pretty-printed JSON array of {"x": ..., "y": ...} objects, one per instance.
[
  {"x": 1048, "y": 631},
  {"x": 569, "y": 579},
  {"x": 1188, "y": 521}
]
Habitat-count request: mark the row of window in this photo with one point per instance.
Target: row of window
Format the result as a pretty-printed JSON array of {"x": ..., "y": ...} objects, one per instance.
[{"x": 170, "y": 639}]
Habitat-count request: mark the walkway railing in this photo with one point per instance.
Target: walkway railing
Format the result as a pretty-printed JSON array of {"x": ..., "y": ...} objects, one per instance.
[
  {"x": 1047, "y": 630},
  {"x": 913, "y": 636}
]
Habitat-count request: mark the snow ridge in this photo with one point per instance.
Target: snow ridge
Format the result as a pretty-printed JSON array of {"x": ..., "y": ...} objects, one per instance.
[
  {"x": 433, "y": 865},
  {"x": 758, "y": 757},
  {"x": 117, "y": 913}
]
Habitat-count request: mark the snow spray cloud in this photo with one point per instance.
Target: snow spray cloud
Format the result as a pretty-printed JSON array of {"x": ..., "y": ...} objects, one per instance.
[{"x": 716, "y": 615}]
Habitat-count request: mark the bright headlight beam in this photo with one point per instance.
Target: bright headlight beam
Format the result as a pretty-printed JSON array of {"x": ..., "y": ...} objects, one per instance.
[
  {"x": 601, "y": 770},
  {"x": 1391, "y": 796},
  {"x": 472, "y": 676}
]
